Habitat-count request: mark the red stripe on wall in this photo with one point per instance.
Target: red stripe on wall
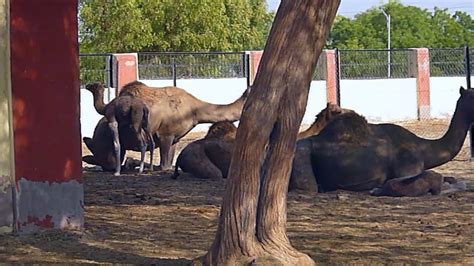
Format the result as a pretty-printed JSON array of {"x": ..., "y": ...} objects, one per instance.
[{"x": 45, "y": 89}]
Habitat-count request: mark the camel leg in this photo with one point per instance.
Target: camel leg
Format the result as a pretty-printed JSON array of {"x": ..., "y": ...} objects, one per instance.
[
  {"x": 302, "y": 174},
  {"x": 114, "y": 128},
  {"x": 422, "y": 184},
  {"x": 166, "y": 156},
  {"x": 151, "y": 143}
]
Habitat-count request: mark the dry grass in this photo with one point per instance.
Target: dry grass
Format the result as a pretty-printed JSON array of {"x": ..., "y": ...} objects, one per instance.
[{"x": 152, "y": 218}]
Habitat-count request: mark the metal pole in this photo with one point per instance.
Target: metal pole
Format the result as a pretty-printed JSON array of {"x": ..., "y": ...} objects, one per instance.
[
  {"x": 388, "y": 18},
  {"x": 174, "y": 72},
  {"x": 389, "y": 68},
  {"x": 467, "y": 61}
]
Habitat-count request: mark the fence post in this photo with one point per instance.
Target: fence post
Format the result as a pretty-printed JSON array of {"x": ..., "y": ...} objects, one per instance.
[
  {"x": 255, "y": 57},
  {"x": 332, "y": 76},
  {"x": 125, "y": 69},
  {"x": 421, "y": 71},
  {"x": 467, "y": 64}
]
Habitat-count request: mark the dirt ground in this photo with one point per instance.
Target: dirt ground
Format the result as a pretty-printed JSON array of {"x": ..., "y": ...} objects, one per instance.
[{"x": 151, "y": 218}]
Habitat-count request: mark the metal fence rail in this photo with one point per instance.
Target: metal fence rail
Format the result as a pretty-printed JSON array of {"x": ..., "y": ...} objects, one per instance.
[
  {"x": 374, "y": 64},
  {"x": 199, "y": 65},
  {"x": 95, "y": 68}
]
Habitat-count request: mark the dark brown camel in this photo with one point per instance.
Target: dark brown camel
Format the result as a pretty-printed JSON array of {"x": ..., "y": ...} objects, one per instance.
[
  {"x": 173, "y": 113},
  {"x": 123, "y": 113},
  {"x": 210, "y": 157},
  {"x": 194, "y": 158},
  {"x": 351, "y": 154}
]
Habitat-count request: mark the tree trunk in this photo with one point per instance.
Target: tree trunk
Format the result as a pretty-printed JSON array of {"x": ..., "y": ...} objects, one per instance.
[{"x": 252, "y": 223}]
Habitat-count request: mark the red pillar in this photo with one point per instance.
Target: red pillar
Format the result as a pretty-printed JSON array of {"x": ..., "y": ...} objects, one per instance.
[
  {"x": 255, "y": 57},
  {"x": 331, "y": 75},
  {"x": 125, "y": 69},
  {"x": 46, "y": 127},
  {"x": 421, "y": 62}
]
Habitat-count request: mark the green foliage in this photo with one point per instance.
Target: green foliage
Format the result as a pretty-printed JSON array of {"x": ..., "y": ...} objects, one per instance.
[
  {"x": 410, "y": 27},
  {"x": 170, "y": 25}
]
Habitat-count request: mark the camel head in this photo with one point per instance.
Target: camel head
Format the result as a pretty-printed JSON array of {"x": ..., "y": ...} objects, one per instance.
[
  {"x": 95, "y": 87},
  {"x": 101, "y": 147},
  {"x": 222, "y": 130},
  {"x": 466, "y": 103},
  {"x": 322, "y": 119}
]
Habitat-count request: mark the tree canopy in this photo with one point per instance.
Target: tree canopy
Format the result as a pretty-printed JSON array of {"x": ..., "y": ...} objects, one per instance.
[
  {"x": 237, "y": 25},
  {"x": 169, "y": 25},
  {"x": 410, "y": 27}
]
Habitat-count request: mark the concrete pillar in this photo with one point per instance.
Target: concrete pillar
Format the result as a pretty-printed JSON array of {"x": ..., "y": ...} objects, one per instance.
[
  {"x": 254, "y": 58},
  {"x": 125, "y": 69},
  {"x": 421, "y": 71},
  {"x": 329, "y": 57},
  {"x": 45, "y": 105},
  {"x": 6, "y": 134}
]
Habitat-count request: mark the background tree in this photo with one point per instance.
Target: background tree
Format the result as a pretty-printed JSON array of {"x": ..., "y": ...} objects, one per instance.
[
  {"x": 411, "y": 27},
  {"x": 169, "y": 25},
  {"x": 252, "y": 223}
]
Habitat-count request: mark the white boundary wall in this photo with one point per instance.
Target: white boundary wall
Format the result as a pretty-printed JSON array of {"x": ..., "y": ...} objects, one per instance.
[{"x": 380, "y": 100}]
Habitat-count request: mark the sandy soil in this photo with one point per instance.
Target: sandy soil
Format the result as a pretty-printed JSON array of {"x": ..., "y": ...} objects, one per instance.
[{"x": 151, "y": 218}]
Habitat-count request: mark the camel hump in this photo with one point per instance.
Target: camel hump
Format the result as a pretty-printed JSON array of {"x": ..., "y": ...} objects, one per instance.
[
  {"x": 221, "y": 130},
  {"x": 347, "y": 127},
  {"x": 132, "y": 88}
]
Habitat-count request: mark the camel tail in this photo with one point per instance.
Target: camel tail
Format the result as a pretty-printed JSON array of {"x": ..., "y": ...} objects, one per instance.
[{"x": 146, "y": 116}]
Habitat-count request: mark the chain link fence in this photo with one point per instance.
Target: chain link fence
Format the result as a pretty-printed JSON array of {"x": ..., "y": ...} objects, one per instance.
[
  {"x": 374, "y": 64},
  {"x": 447, "y": 62},
  {"x": 172, "y": 66},
  {"x": 95, "y": 68}
]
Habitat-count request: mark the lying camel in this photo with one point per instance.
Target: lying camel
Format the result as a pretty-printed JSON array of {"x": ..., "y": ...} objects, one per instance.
[
  {"x": 210, "y": 157},
  {"x": 351, "y": 154},
  {"x": 194, "y": 158},
  {"x": 173, "y": 113}
]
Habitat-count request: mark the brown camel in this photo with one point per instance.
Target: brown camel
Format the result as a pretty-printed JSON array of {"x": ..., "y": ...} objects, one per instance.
[
  {"x": 122, "y": 114},
  {"x": 351, "y": 154},
  {"x": 321, "y": 120},
  {"x": 194, "y": 157},
  {"x": 173, "y": 113},
  {"x": 210, "y": 157}
]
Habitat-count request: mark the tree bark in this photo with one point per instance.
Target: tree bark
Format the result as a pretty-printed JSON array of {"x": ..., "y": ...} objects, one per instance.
[{"x": 252, "y": 223}]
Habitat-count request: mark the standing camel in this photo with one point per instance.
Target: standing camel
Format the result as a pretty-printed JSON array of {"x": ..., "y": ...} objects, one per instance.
[
  {"x": 173, "y": 113},
  {"x": 122, "y": 113}
]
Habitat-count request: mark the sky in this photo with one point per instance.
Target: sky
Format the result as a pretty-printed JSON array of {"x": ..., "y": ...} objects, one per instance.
[{"x": 349, "y": 8}]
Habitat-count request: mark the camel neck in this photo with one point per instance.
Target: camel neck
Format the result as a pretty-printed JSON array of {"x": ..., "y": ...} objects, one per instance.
[
  {"x": 314, "y": 129},
  {"x": 211, "y": 113},
  {"x": 443, "y": 150},
  {"x": 99, "y": 104}
]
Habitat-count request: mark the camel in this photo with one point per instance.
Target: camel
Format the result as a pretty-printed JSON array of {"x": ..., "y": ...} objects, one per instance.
[
  {"x": 173, "y": 113},
  {"x": 351, "y": 154},
  {"x": 122, "y": 114},
  {"x": 194, "y": 158},
  {"x": 210, "y": 157}
]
